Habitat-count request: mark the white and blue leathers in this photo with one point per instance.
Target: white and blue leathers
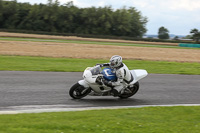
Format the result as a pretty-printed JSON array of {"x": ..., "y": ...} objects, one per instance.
[{"x": 124, "y": 77}]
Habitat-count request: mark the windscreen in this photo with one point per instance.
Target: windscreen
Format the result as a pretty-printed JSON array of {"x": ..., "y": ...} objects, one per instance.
[{"x": 95, "y": 70}]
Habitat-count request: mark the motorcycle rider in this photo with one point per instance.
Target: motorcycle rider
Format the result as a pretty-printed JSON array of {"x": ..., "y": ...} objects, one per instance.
[{"x": 123, "y": 74}]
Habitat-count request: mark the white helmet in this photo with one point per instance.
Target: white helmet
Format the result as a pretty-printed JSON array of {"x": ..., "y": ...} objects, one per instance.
[{"x": 115, "y": 61}]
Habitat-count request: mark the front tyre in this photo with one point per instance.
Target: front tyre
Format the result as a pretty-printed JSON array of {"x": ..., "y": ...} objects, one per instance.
[
  {"x": 130, "y": 91},
  {"x": 77, "y": 91}
]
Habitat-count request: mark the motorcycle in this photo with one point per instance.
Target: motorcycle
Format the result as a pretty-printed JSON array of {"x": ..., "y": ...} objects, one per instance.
[{"x": 93, "y": 85}]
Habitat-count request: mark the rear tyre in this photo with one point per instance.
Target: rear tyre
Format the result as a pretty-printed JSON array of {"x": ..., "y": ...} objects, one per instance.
[
  {"x": 77, "y": 91},
  {"x": 131, "y": 91}
]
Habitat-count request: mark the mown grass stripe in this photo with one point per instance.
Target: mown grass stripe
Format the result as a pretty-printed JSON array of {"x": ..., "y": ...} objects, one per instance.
[{"x": 87, "y": 42}]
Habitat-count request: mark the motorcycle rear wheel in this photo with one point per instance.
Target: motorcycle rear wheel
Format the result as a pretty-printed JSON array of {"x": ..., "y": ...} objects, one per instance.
[
  {"x": 133, "y": 90},
  {"x": 77, "y": 91}
]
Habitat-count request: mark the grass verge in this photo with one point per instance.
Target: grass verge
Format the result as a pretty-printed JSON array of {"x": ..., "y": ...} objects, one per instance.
[
  {"x": 26, "y": 63},
  {"x": 135, "y": 120}
]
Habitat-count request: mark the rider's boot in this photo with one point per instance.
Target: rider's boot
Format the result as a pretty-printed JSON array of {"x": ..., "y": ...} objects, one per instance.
[{"x": 114, "y": 92}]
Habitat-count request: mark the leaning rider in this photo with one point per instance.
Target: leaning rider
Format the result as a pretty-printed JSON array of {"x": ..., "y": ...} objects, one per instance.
[{"x": 123, "y": 74}]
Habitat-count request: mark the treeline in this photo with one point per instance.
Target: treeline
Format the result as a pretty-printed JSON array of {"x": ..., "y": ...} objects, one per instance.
[{"x": 68, "y": 18}]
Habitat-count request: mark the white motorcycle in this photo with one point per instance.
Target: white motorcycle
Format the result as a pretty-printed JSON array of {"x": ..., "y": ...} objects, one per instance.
[{"x": 92, "y": 83}]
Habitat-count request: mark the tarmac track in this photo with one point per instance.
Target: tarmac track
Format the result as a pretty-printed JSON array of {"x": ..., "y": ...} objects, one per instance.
[{"x": 24, "y": 90}]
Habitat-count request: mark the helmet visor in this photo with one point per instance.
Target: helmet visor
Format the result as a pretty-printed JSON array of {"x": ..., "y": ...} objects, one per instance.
[{"x": 112, "y": 63}]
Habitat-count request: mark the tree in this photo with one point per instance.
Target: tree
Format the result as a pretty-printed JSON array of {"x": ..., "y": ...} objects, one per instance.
[
  {"x": 8, "y": 14},
  {"x": 163, "y": 33},
  {"x": 188, "y": 37},
  {"x": 121, "y": 22},
  {"x": 176, "y": 38},
  {"x": 195, "y": 34},
  {"x": 138, "y": 23},
  {"x": 1, "y": 14},
  {"x": 22, "y": 13},
  {"x": 67, "y": 18}
]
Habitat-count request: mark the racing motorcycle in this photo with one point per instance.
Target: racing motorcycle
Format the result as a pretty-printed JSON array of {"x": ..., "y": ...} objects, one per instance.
[{"x": 92, "y": 83}]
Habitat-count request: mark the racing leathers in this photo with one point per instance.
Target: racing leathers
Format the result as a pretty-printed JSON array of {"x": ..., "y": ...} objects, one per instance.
[{"x": 123, "y": 75}]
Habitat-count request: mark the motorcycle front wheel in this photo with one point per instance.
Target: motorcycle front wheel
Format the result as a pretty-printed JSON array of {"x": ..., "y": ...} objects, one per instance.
[
  {"x": 131, "y": 91},
  {"x": 77, "y": 91}
]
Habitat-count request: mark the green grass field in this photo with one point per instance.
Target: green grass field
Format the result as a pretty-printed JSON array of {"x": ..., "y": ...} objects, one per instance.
[
  {"x": 26, "y": 63},
  {"x": 134, "y": 120},
  {"x": 87, "y": 42}
]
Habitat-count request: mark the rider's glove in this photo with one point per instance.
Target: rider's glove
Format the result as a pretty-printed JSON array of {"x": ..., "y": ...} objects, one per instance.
[
  {"x": 108, "y": 83},
  {"x": 101, "y": 65}
]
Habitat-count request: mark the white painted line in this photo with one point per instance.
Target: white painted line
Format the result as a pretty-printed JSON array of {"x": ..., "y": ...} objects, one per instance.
[
  {"x": 56, "y": 108},
  {"x": 8, "y": 112}
]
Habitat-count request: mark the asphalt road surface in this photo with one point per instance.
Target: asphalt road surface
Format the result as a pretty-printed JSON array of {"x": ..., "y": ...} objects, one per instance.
[{"x": 50, "y": 89}]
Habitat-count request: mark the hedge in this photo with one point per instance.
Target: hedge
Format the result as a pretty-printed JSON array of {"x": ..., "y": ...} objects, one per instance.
[{"x": 94, "y": 36}]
